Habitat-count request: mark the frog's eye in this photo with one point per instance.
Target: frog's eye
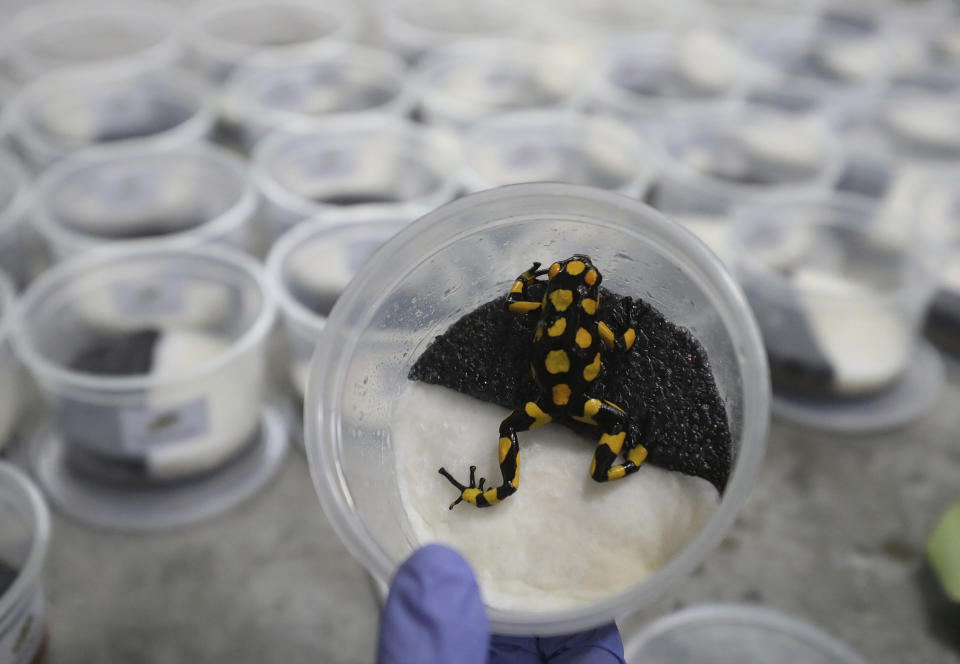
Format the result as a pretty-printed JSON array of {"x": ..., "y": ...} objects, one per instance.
[{"x": 554, "y": 270}]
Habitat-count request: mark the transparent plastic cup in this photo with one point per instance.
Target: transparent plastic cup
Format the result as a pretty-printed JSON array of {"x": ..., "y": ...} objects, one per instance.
[
  {"x": 154, "y": 363},
  {"x": 10, "y": 378},
  {"x": 412, "y": 27},
  {"x": 459, "y": 84},
  {"x": 62, "y": 112},
  {"x": 590, "y": 23},
  {"x": 342, "y": 245},
  {"x": 379, "y": 163},
  {"x": 840, "y": 302},
  {"x": 557, "y": 146},
  {"x": 376, "y": 331},
  {"x": 270, "y": 92},
  {"x": 24, "y": 538},
  {"x": 188, "y": 196},
  {"x": 59, "y": 35},
  {"x": 15, "y": 253},
  {"x": 223, "y": 33},
  {"x": 652, "y": 78}
]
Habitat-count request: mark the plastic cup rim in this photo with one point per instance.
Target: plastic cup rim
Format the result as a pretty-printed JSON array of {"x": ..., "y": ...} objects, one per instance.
[{"x": 26, "y": 576}]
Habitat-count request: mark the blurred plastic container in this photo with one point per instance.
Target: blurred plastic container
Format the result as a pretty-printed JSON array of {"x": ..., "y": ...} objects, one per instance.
[
  {"x": 653, "y": 78},
  {"x": 592, "y": 23},
  {"x": 309, "y": 267},
  {"x": 24, "y": 537},
  {"x": 412, "y": 27},
  {"x": 11, "y": 384},
  {"x": 744, "y": 634},
  {"x": 459, "y": 84},
  {"x": 271, "y": 92},
  {"x": 188, "y": 196},
  {"x": 555, "y": 146},
  {"x": 15, "y": 238},
  {"x": 223, "y": 33},
  {"x": 153, "y": 360},
  {"x": 58, "y": 35},
  {"x": 62, "y": 112},
  {"x": 840, "y": 304},
  {"x": 381, "y": 163},
  {"x": 374, "y": 334},
  {"x": 937, "y": 206}
]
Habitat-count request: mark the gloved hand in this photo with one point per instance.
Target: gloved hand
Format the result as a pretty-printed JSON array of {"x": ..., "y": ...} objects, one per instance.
[{"x": 434, "y": 615}]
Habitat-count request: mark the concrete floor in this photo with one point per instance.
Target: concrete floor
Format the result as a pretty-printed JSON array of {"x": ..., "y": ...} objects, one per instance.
[{"x": 833, "y": 533}]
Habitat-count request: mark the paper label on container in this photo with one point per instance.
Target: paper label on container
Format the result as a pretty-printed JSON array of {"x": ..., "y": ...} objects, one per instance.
[
  {"x": 149, "y": 297},
  {"x": 21, "y": 643}
]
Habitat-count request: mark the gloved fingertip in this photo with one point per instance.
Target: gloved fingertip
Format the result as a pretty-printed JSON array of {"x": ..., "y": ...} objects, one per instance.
[{"x": 602, "y": 645}]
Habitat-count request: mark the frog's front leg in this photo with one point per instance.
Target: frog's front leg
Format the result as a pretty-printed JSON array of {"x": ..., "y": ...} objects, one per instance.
[
  {"x": 518, "y": 300},
  {"x": 523, "y": 419},
  {"x": 622, "y": 342},
  {"x": 611, "y": 421}
]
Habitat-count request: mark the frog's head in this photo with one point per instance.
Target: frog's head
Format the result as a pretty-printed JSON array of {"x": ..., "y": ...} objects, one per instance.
[{"x": 578, "y": 264}]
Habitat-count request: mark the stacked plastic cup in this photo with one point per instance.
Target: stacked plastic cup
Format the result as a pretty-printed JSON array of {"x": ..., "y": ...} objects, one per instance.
[
  {"x": 65, "y": 111},
  {"x": 15, "y": 247},
  {"x": 24, "y": 538},
  {"x": 11, "y": 380},
  {"x": 458, "y": 85},
  {"x": 59, "y": 35},
  {"x": 222, "y": 33},
  {"x": 154, "y": 364},
  {"x": 270, "y": 91},
  {"x": 555, "y": 146},
  {"x": 383, "y": 164},
  {"x": 840, "y": 302},
  {"x": 192, "y": 195}
]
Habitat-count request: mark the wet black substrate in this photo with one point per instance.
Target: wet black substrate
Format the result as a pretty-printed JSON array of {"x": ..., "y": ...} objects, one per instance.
[{"x": 664, "y": 382}]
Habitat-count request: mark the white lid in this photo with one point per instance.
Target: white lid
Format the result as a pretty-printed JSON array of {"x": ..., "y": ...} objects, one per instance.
[{"x": 735, "y": 634}]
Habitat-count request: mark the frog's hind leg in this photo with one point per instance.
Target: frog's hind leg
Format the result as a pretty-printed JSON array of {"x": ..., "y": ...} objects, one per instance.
[
  {"x": 611, "y": 421},
  {"x": 530, "y": 416}
]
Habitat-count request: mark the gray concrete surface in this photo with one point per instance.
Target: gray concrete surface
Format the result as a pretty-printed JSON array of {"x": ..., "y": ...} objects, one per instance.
[{"x": 833, "y": 533}]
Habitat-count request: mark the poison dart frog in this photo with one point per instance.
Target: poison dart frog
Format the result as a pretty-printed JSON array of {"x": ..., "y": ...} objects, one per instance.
[{"x": 567, "y": 358}]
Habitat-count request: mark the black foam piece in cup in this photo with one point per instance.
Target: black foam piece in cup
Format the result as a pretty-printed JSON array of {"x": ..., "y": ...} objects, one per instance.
[
  {"x": 118, "y": 354},
  {"x": 664, "y": 382}
]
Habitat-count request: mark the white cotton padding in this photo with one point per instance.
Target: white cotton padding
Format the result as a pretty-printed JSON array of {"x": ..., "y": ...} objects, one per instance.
[
  {"x": 562, "y": 540},
  {"x": 865, "y": 340}
]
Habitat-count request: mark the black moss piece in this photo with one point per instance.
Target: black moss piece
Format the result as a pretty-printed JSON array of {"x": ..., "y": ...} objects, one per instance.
[
  {"x": 664, "y": 383},
  {"x": 7, "y": 576},
  {"x": 118, "y": 355}
]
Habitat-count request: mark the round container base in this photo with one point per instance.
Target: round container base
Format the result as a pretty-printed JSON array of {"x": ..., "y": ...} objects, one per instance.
[
  {"x": 745, "y": 634},
  {"x": 912, "y": 396},
  {"x": 156, "y": 507}
]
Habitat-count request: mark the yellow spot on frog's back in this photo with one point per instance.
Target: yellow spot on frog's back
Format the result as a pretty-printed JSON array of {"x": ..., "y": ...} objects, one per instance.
[
  {"x": 637, "y": 455},
  {"x": 523, "y": 307},
  {"x": 629, "y": 337},
  {"x": 616, "y": 473},
  {"x": 557, "y": 328},
  {"x": 575, "y": 267},
  {"x": 584, "y": 338},
  {"x": 590, "y": 277},
  {"x": 505, "y": 445},
  {"x": 589, "y": 305},
  {"x": 605, "y": 333},
  {"x": 561, "y": 299},
  {"x": 561, "y": 394},
  {"x": 554, "y": 270},
  {"x": 517, "y": 287},
  {"x": 539, "y": 417},
  {"x": 491, "y": 496},
  {"x": 591, "y": 407},
  {"x": 614, "y": 442},
  {"x": 538, "y": 335},
  {"x": 557, "y": 361},
  {"x": 592, "y": 370}
]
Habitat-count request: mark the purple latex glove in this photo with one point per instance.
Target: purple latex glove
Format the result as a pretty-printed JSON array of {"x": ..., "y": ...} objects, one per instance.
[{"x": 434, "y": 614}]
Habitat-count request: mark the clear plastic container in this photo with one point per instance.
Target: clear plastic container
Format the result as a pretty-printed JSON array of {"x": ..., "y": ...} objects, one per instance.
[
  {"x": 188, "y": 196},
  {"x": 376, "y": 332},
  {"x": 16, "y": 257},
  {"x": 58, "y": 35},
  {"x": 459, "y": 84},
  {"x": 652, "y": 78},
  {"x": 412, "y": 27},
  {"x": 342, "y": 245},
  {"x": 380, "y": 163},
  {"x": 840, "y": 302},
  {"x": 223, "y": 33},
  {"x": 743, "y": 633},
  {"x": 557, "y": 146},
  {"x": 270, "y": 92},
  {"x": 154, "y": 362},
  {"x": 24, "y": 538},
  {"x": 591, "y": 23},
  {"x": 62, "y": 112},
  {"x": 11, "y": 386}
]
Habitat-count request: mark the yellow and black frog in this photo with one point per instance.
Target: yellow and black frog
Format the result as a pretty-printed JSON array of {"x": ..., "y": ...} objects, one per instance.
[{"x": 566, "y": 359}]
